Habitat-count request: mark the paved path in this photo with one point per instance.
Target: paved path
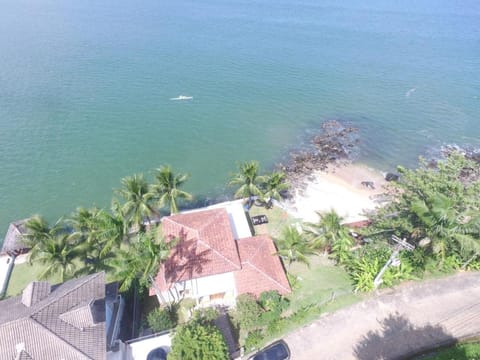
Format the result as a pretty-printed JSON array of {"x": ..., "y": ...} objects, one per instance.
[
  {"x": 4, "y": 265},
  {"x": 4, "y": 261},
  {"x": 411, "y": 318}
]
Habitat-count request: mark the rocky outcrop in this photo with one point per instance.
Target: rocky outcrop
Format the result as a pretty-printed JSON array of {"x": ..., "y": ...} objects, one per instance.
[{"x": 333, "y": 144}]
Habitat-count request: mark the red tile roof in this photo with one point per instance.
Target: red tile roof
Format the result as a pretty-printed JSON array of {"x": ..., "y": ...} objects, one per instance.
[
  {"x": 261, "y": 268},
  {"x": 205, "y": 247}
]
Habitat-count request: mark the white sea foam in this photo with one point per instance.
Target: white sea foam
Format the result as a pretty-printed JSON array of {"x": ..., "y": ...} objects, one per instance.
[
  {"x": 410, "y": 92},
  {"x": 182, "y": 97}
]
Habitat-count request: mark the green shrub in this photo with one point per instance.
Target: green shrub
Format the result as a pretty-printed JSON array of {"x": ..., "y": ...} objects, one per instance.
[
  {"x": 247, "y": 313},
  {"x": 162, "y": 319},
  {"x": 450, "y": 263},
  {"x": 367, "y": 263},
  {"x": 188, "y": 303},
  {"x": 293, "y": 281},
  {"x": 341, "y": 248},
  {"x": 197, "y": 341},
  {"x": 364, "y": 267},
  {"x": 273, "y": 301},
  {"x": 469, "y": 351},
  {"x": 206, "y": 315},
  {"x": 253, "y": 340},
  {"x": 275, "y": 327},
  {"x": 418, "y": 259},
  {"x": 473, "y": 265}
]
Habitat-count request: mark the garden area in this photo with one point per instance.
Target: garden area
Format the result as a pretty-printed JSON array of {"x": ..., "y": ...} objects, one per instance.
[
  {"x": 25, "y": 273},
  {"x": 430, "y": 227}
]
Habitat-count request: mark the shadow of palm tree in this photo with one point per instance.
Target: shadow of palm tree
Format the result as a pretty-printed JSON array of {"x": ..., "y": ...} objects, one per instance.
[
  {"x": 186, "y": 259},
  {"x": 400, "y": 339}
]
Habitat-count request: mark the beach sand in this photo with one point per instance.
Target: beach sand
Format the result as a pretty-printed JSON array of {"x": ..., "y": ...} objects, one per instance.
[{"x": 338, "y": 188}]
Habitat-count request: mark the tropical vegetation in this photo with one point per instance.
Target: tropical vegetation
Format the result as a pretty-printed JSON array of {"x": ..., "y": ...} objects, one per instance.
[
  {"x": 139, "y": 263},
  {"x": 161, "y": 319},
  {"x": 125, "y": 242},
  {"x": 166, "y": 190},
  {"x": 253, "y": 186},
  {"x": 293, "y": 246},
  {"x": 199, "y": 339},
  {"x": 435, "y": 208},
  {"x": 468, "y": 351},
  {"x": 330, "y": 235}
]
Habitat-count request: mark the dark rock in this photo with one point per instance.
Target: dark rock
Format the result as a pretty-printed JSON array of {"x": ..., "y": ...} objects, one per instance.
[
  {"x": 334, "y": 144},
  {"x": 391, "y": 177}
]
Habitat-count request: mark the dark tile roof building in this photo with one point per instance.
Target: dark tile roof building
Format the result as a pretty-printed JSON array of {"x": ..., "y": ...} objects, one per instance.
[
  {"x": 55, "y": 322},
  {"x": 13, "y": 239}
]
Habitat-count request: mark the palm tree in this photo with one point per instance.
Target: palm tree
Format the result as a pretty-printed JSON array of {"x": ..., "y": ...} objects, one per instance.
[
  {"x": 327, "y": 230},
  {"x": 138, "y": 201},
  {"x": 38, "y": 232},
  {"x": 273, "y": 186},
  {"x": 167, "y": 191},
  {"x": 447, "y": 228},
  {"x": 98, "y": 228},
  {"x": 330, "y": 234},
  {"x": 58, "y": 253},
  {"x": 248, "y": 181},
  {"x": 293, "y": 246},
  {"x": 138, "y": 265},
  {"x": 101, "y": 232}
]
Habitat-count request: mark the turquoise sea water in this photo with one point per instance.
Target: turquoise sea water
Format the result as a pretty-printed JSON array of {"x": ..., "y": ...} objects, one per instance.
[{"x": 85, "y": 88}]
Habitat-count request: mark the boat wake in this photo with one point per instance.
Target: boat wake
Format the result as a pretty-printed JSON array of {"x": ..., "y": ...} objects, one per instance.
[
  {"x": 182, "y": 97},
  {"x": 410, "y": 92}
]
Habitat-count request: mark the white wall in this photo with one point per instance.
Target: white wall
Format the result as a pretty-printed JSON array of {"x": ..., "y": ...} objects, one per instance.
[
  {"x": 203, "y": 287},
  {"x": 215, "y": 284},
  {"x": 139, "y": 350}
]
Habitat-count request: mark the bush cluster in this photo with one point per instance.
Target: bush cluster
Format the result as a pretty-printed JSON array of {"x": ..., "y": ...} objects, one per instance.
[
  {"x": 162, "y": 319},
  {"x": 198, "y": 340},
  {"x": 256, "y": 319}
]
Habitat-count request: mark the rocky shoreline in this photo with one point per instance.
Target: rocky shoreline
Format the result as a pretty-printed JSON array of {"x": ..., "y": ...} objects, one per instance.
[{"x": 333, "y": 145}]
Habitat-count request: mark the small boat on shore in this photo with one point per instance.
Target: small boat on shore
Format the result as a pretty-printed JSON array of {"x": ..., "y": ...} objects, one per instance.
[{"x": 182, "y": 97}]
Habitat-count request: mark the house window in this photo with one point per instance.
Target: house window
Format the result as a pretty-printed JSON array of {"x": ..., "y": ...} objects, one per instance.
[
  {"x": 218, "y": 296},
  {"x": 184, "y": 292}
]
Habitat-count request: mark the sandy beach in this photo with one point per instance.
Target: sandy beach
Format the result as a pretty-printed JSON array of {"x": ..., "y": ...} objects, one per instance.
[{"x": 341, "y": 189}]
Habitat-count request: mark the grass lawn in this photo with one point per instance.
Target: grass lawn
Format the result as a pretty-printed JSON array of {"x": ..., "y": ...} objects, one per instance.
[
  {"x": 23, "y": 274},
  {"x": 277, "y": 220},
  {"x": 314, "y": 285},
  {"x": 466, "y": 351},
  {"x": 320, "y": 284}
]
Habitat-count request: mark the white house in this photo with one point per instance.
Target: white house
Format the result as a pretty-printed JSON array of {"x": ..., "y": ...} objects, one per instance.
[{"x": 210, "y": 265}]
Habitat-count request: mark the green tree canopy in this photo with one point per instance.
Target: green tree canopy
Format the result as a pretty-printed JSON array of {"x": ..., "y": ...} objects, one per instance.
[
  {"x": 247, "y": 180},
  {"x": 139, "y": 264},
  {"x": 59, "y": 254},
  {"x": 330, "y": 234},
  {"x": 294, "y": 246},
  {"x": 273, "y": 186},
  {"x": 198, "y": 341},
  {"x": 138, "y": 201},
  {"x": 102, "y": 232},
  {"x": 437, "y": 207},
  {"x": 166, "y": 191}
]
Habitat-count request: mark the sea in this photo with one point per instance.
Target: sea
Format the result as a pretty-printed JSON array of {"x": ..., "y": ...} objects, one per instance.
[{"x": 86, "y": 89}]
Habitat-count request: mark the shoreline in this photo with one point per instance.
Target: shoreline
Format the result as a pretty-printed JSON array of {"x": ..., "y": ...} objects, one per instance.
[{"x": 340, "y": 188}]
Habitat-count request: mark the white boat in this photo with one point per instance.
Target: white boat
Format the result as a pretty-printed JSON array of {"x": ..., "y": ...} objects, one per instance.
[{"x": 182, "y": 97}]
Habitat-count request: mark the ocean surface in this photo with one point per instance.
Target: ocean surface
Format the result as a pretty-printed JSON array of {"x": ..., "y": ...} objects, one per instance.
[{"x": 85, "y": 88}]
